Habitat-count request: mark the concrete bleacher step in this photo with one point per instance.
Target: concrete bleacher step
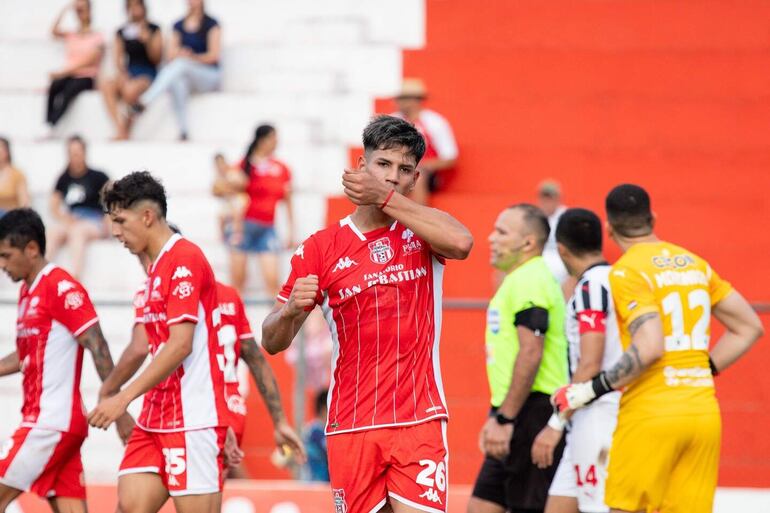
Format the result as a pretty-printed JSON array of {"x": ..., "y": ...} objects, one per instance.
[
  {"x": 214, "y": 117},
  {"x": 398, "y": 22}
]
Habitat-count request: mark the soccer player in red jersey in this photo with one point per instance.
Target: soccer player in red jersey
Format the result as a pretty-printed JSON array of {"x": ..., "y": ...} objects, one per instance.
[
  {"x": 177, "y": 447},
  {"x": 236, "y": 340},
  {"x": 56, "y": 321},
  {"x": 377, "y": 275}
]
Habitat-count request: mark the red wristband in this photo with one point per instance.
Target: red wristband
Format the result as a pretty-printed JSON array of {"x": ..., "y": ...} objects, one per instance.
[{"x": 390, "y": 195}]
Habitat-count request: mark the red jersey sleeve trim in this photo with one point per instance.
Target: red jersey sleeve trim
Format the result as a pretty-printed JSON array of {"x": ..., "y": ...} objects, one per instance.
[
  {"x": 282, "y": 299},
  {"x": 182, "y": 318},
  {"x": 246, "y": 336},
  {"x": 85, "y": 326},
  {"x": 138, "y": 320}
]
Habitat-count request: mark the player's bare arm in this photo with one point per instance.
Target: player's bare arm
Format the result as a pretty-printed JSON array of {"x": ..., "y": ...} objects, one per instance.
[
  {"x": 129, "y": 362},
  {"x": 166, "y": 361},
  {"x": 268, "y": 389},
  {"x": 93, "y": 340},
  {"x": 284, "y": 321},
  {"x": 445, "y": 234},
  {"x": 591, "y": 355},
  {"x": 743, "y": 329},
  {"x": 10, "y": 364},
  {"x": 497, "y": 437},
  {"x": 647, "y": 346}
]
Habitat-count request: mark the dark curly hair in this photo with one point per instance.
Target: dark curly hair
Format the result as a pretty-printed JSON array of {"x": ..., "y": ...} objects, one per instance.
[
  {"x": 133, "y": 188},
  {"x": 388, "y": 132}
]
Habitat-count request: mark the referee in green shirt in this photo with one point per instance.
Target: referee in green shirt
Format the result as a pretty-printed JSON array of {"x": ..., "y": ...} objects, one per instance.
[{"x": 526, "y": 362}]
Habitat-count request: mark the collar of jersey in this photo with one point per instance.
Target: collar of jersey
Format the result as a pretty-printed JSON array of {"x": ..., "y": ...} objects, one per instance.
[
  {"x": 348, "y": 221},
  {"x": 50, "y": 266},
  {"x": 166, "y": 247}
]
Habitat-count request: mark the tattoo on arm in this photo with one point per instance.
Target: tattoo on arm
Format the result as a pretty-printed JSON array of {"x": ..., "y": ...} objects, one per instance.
[
  {"x": 637, "y": 323},
  {"x": 264, "y": 377},
  {"x": 629, "y": 365},
  {"x": 93, "y": 340}
]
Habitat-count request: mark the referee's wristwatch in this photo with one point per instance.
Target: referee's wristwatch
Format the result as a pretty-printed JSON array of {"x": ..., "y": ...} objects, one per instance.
[{"x": 503, "y": 420}]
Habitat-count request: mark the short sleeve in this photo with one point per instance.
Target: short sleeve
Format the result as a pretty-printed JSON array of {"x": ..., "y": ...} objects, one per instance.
[
  {"x": 179, "y": 26},
  {"x": 592, "y": 304},
  {"x": 242, "y": 324},
  {"x": 184, "y": 290},
  {"x": 718, "y": 288},
  {"x": 71, "y": 306},
  {"x": 306, "y": 260},
  {"x": 632, "y": 294}
]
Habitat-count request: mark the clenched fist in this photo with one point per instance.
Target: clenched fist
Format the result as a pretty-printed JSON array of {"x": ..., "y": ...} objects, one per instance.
[
  {"x": 362, "y": 188},
  {"x": 302, "y": 297}
]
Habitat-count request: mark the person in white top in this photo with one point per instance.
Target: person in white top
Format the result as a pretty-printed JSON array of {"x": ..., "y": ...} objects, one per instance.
[
  {"x": 594, "y": 345},
  {"x": 549, "y": 201},
  {"x": 441, "y": 149}
]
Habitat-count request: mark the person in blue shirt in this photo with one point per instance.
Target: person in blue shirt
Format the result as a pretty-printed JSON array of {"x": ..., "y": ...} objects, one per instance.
[
  {"x": 193, "y": 65},
  {"x": 317, "y": 466}
]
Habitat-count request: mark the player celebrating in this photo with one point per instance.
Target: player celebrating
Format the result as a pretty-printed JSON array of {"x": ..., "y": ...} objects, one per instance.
[
  {"x": 594, "y": 344},
  {"x": 177, "y": 447},
  {"x": 56, "y": 321},
  {"x": 377, "y": 275},
  {"x": 665, "y": 450}
]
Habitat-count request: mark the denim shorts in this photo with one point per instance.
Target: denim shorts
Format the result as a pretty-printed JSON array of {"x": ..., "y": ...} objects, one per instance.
[
  {"x": 257, "y": 237},
  {"x": 137, "y": 70}
]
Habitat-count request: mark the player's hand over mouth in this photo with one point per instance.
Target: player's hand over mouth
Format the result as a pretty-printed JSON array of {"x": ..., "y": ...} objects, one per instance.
[{"x": 362, "y": 188}]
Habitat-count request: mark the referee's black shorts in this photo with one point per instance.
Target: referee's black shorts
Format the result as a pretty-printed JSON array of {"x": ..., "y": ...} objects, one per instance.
[{"x": 517, "y": 484}]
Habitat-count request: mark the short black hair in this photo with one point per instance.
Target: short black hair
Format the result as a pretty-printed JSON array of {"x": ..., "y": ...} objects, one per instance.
[
  {"x": 629, "y": 211},
  {"x": 133, "y": 188},
  {"x": 320, "y": 401},
  {"x": 580, "y": 230},
  {"x": 536, "y": 221},
  {"x": 388, "y": 132},
  {"x": 22, "y": 225}
]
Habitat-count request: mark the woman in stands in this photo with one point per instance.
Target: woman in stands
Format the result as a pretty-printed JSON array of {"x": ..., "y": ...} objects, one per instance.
[
  {"x": 84, "y": 51},
  {"x": 75, "y": 205},
  {"x": 267, "y": 181},
  {"x": 193, "y": 63},
  {"x": 138, "y": 49},
  {"x": 13, "y": 185}
]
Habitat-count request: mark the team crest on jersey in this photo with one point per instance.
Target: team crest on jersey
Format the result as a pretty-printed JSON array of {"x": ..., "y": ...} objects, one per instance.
[
  {"x": 63, "y": 287},
  {"x": 73, "y": 300},
  {"x": 184, "y": 290},
  {"x": 340, "y": 506},
  {"x": 181, "y": 272},
  {"x": 380, "y": 251}
]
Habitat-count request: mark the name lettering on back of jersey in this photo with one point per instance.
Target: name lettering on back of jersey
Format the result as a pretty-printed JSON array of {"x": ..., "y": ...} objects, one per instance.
[
  {"x": 227, "y": 308},
  {"x": 183, "y": 290},
  {"x": 675, "y": 278},
  {"x": 344, "y": 263},
  {"x": 181, "y": 272},
  {"x": 63, "y": 287},
  {"x": 380, "y": 251}
]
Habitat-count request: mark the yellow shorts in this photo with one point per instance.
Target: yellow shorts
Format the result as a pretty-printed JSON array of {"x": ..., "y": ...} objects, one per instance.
[{"x": 665, "y": 464}]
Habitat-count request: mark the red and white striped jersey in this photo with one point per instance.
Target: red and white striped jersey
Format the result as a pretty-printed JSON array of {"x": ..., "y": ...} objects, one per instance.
[
  {"x": 181, "y": 288},
  {"x": 235, "y": 327},
  {"x": 53, "y": 312},
  {"x": 381, "y": 295}
]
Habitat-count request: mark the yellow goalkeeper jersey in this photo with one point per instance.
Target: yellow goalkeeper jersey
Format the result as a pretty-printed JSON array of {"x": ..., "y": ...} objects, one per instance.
[{"x": 681, "y": 287}]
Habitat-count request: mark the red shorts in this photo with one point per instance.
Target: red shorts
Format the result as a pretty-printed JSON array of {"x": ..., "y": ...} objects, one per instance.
[
  {"x": 44, "y": 462},
  {"x": 188, "y": 462},
  {"x": 408, "y": 464}
]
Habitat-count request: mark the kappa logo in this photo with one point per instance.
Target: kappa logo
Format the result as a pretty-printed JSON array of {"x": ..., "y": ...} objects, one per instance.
[
  {"x": 181, "y": 272},
  {"x": 63, "y": 287},
  {"x": 340, "y": 506},
  {"x": 300, "y": 251},
  {"x": 344, "y": 263},
  {"x": 380, "y": 251},
  {"x": 173, "y": 481},
  {"x": 431, "y": 495}
]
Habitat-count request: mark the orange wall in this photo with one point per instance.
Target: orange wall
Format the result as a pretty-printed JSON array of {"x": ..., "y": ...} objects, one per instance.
[{"x": 668, "y": 94}]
